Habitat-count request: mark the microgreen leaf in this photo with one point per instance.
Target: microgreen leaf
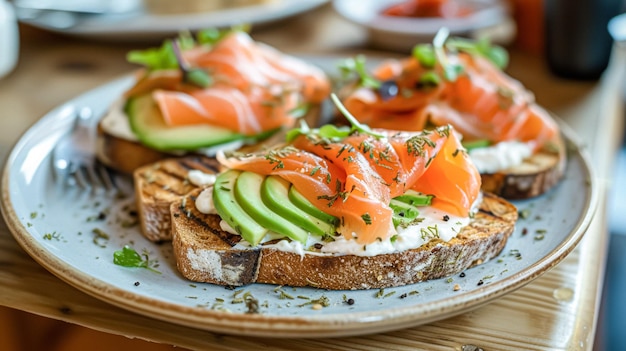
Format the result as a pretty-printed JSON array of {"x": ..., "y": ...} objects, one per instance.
[
  {"x": 469, "y": 145},
  {"x": 128, "y": 257},
  {"x": 196, "y": 76},
  {"x": 429, "y": 79},
  {"x": 356, "y": 125},
  {"x": 496, "y": 54},
  {"x": 425, "y": 55},
  {"x": 162, "y": 57},
  {"x": 332, "y": 132},
  {"x": 356, "y": 66},
  {"x": 294, "y": 133},
  {"x": 300, "y": 111},
  {"x": 451, "y": 71}
]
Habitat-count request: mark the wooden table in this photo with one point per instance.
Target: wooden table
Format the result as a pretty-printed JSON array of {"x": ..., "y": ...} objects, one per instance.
[{"x": 53, "y": 69}]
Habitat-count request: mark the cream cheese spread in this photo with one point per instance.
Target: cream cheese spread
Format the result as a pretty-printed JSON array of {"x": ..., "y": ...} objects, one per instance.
[
  {"x": 500, "y": 156},
  {"x": 435, "y": 224}
]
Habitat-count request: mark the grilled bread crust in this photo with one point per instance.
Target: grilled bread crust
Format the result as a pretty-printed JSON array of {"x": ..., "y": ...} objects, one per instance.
[
  {"x": 124, "y": 155},
  {"x": 159, "y": 184},
  {"x": 205, "y": 253},
  {"x": 535, "y": 176}
]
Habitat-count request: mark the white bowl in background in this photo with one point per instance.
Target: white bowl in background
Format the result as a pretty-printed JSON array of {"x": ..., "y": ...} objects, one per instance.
[{"x": 489, "y": 17}]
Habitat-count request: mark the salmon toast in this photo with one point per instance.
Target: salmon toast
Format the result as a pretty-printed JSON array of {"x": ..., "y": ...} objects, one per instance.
[
  {"x": 218, "y": 90},
  {"x": 514, "y": 142},
  {"x": 341, "y": 208}
]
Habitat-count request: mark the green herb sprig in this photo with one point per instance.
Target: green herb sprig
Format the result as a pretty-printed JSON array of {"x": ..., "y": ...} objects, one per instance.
[
  {"x": 128, "y": 257},
  {"x": 429, "y": 55},
  {"x": 356, "y": 66}
]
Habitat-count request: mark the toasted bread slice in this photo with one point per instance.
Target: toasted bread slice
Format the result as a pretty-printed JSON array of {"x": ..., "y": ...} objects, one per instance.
[
  {"x": 535, "y": 176},
  {"x": 124, "y": 155},
  {"x": 159, "y": 184},
  {"x": 205, "y": 253}
]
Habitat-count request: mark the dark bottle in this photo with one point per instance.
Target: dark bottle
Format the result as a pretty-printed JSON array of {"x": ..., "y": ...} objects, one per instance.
[{"x": 578, "y": 43}]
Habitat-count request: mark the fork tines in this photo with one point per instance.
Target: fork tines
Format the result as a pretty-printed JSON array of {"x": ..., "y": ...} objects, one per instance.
[{"x": 93, "y": 175}]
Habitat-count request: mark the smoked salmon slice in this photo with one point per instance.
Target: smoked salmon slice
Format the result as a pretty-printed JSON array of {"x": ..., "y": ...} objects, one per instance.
[
  {"x": 355, "y": 178},
  {"x": 252, "y": 88},
  {"x": 481, "y": 102}
]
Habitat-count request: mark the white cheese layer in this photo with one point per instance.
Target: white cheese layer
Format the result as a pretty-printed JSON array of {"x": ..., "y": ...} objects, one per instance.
[
  {"x": 115, "y": 122},
  {"x": 204, "y": 202},
  {"x": 201, "y": 179},
  {"x": 500, "y": 156}
]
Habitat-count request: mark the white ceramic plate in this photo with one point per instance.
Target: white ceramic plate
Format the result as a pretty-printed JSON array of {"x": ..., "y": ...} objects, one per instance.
[
  {"x": 404, "y": 32},
  {"x": 57, "y": 229},
  {"x": 139, "y": 25}
]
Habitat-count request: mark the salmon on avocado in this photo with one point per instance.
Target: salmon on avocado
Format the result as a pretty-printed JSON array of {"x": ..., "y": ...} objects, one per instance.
[
  {"x": 353, "y": 174},
  {"x": 458, "y": 82},
  {"x": 217, "y": 89},
  {"x": 347, "y": 207}
]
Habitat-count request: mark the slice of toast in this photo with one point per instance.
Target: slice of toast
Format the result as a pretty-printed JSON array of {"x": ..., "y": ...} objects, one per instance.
[
  {"x": 535, "y": 176},
  {"x": 124, "y": 155},
  {"x": 159, "y": 184},
  {"x": 205, "y": 253}
]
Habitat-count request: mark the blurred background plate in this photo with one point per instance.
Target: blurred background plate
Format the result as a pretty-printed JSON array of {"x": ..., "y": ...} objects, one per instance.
[
  {"x": 154, "y": 19},
  {"x": 476, "y": 18}
]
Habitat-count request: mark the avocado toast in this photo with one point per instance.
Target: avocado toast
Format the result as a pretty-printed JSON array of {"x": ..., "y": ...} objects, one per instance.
[
  {"x": 341, "y": 208},
  {"x": 195, "y": 95}
]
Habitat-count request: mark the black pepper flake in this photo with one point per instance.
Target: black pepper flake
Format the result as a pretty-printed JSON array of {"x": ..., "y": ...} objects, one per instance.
[
  {"x": 462, "y": 275},
  {"x": 446, "y": 218},
  {"x": 176, "y": 215},
  {"x": 524, "y": 231},
  {"x": 318, "y": 246},
  {"x": 137, "y": 283},
  {"x": 480, "y": 282},
  {"x": 404, "y": 295},
  {"x": 102, "y": 216},
  {"x": 350, "y": 302}
]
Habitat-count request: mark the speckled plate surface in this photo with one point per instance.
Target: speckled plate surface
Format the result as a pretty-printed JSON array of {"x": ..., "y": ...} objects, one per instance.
[{"x": 64, "y": 232}]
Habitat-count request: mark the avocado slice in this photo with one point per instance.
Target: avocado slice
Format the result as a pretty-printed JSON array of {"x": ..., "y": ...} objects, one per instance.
[
  {"x": 415, "y": 198},
  {"x": 403, "y": 212},
  {"x": 230, "y": 211},
  {"x": 305, "y": 205},
  {"x": 248, "y": 195},
  {"x": 274, "y": 193},
  {"x": 147, "y": 122}
]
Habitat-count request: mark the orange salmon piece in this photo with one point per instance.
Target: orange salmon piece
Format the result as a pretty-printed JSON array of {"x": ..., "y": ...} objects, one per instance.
[
  {"x": 452, "y": 179},
  {"x": 248, "y": 113},
  {"x": 254, "y": 87},
  {"x": 481, "y": 103},
  {"x": 355, "y": 179}
]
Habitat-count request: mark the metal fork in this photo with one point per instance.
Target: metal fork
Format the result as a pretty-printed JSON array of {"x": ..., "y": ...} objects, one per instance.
[{"x": 73, "y": 158}]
